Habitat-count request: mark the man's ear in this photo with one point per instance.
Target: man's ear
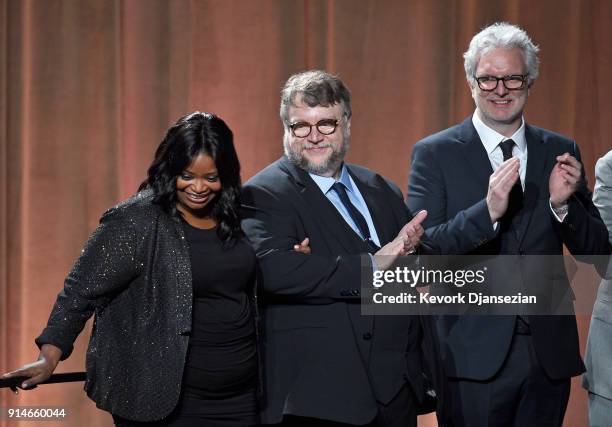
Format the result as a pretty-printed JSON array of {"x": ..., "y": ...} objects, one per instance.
[{"x": 472, "y": 87}]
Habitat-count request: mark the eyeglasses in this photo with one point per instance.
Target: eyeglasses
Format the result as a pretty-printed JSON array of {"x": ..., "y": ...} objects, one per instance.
[
  {"x": 303, "y": 129},
  {"x": 513, "y": 82}
]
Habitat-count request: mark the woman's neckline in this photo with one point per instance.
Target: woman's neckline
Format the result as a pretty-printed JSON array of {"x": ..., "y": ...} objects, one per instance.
[{"x": 195, "y": 227}]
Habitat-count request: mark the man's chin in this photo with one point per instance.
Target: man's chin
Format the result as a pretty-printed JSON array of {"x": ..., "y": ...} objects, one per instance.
[
  {"x": 322, "y": 167},
  {"x": 325, "y": 168},
  {"x": 504, "y": 119}
]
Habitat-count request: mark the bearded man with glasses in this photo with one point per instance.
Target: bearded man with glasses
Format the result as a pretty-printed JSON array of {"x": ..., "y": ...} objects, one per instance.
[
  {"x": 325, "y": 363},
  {"x": 495, "y": 185}
]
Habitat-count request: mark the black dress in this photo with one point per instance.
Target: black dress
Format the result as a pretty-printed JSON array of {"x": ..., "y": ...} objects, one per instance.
[{"x": 220, "y": 377}]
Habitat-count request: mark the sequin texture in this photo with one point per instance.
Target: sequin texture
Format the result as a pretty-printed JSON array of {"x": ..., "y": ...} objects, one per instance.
[{"x": 134, "y": 276}]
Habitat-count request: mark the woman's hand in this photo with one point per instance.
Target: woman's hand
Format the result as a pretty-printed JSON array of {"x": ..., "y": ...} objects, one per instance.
[
  {"x": 303, "y": 247},
  {"x": 38, "y": 371}
]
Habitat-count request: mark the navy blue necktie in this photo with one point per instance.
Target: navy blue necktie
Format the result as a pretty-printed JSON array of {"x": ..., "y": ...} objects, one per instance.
[{"x": 356, "y": 216}]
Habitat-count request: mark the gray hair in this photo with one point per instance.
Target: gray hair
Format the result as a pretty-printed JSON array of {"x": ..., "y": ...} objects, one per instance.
[
  {"x": 501, "y": 35},
  {"x": 317, "y": 88}
]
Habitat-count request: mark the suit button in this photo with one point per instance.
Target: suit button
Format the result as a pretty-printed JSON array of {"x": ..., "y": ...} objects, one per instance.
[{"x": 367, "y": 336}]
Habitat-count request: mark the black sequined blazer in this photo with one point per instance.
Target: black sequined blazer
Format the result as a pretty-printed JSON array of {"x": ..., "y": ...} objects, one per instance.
[{"x": 134, "y": 274}]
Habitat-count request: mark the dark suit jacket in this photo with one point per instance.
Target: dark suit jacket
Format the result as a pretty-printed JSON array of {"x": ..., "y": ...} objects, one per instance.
[
  {"x": 449, "y": 178},
  {"x": 322, "y": 358}
]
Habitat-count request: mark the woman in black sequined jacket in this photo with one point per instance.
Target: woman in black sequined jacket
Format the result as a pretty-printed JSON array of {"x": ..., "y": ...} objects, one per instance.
[{"x": 138, "y": 274}]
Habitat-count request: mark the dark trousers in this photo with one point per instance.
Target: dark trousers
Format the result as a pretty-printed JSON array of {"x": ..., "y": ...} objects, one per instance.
[
  {"x": 520, "y": 395},
  {"x": 400, "y": 412}
]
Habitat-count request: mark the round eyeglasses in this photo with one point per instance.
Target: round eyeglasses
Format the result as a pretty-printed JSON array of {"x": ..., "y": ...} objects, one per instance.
[
  {"x": 513, "y": 82},
  {"x": 324, "y": 127}
]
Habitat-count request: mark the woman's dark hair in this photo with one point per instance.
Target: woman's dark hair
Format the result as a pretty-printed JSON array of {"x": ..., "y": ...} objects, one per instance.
[{"x": 192, "y": 135}]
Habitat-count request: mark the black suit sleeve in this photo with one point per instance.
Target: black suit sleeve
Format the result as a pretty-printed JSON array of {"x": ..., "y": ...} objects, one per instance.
[
  {"x": 273, "y": 225},
  {"x": 468, "y": 229},
  {"x": 582, "y": 230}
]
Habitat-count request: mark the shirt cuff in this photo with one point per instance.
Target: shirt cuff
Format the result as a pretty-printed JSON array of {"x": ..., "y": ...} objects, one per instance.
[
  {"x": 374, "y": 265},
  {"x": 559, "y": 213}
]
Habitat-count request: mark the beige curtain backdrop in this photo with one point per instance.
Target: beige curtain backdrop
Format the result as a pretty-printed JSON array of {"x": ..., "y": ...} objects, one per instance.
[{"x": 88, "y": 88}]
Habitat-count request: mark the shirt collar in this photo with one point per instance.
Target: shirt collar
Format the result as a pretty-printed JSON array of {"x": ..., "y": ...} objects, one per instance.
[
  {"x": 491, "y": 138},
  {"x": 325, "y": 182}
]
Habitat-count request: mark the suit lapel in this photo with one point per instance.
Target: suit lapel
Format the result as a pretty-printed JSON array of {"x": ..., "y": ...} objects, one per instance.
[
  {"x": 318, "y": 206},
  {"x": 536, "y": 164},
  {"x": 478, "y": 160},
  {"x": 475, "y": 155},
  {"x": 371, "y": 195}
]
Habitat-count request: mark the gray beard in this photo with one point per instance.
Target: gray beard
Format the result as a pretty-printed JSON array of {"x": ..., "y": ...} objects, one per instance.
[{"x": 331, "y": 165}]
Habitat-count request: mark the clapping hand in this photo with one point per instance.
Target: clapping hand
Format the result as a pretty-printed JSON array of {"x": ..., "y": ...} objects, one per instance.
[
  {"x": 406, "y": 242},
  {"x": 500, "y": 185},
  {"x": 564, "y": 179}
]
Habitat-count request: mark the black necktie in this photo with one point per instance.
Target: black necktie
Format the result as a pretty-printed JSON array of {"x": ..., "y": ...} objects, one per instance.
[
  {"x": 357, "y": 217},
  {"x": 515, "y": 201}
]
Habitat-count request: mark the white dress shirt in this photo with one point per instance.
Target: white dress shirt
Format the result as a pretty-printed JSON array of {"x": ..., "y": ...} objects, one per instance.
[
  {"x": 491, "y": 140},
  {"x": 325, "y": 183}
]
